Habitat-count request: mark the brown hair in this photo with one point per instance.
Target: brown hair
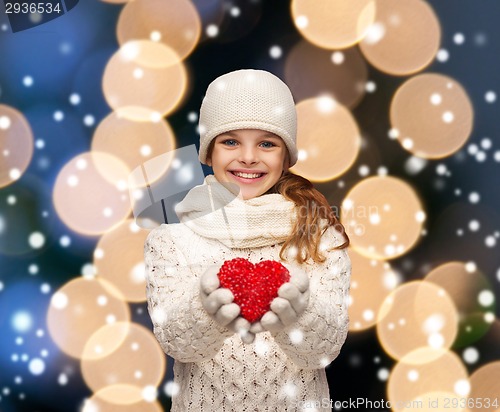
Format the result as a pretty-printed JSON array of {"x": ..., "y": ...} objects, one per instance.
[
  {"x": 308, "y": 228},
  {"x": 312, "y": 207}
]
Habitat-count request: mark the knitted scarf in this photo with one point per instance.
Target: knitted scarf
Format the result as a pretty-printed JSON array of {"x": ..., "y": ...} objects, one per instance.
[{"x": 213, "y": 210}]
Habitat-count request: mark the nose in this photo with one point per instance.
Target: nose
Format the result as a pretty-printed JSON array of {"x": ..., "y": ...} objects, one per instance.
[{"x": 248, "y": 155}]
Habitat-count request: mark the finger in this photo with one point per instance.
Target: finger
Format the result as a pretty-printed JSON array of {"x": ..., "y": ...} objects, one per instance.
[
  {"x": 239, "y": 325},
  {"x": 227, "y": 313},
  {"x": 284, "y": 310},
  {"x": 256, "y": 327},
  {"x": 216, "y": 299},
  {"x": 209, "y": 280},
  {"x": 301, "y": 280},
  {"x": 248, "y": 338},
  {"x": 291, "y": 293},
  {"x": 271, "y": 322},
  {"x": 305, "y": 299}
]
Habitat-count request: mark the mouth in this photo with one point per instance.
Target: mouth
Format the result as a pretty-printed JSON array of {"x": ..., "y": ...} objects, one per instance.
[{"x": 247, "y": 177}]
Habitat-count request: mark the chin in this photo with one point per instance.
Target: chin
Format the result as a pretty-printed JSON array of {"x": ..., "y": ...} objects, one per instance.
[{"x": 246, "y": 194}]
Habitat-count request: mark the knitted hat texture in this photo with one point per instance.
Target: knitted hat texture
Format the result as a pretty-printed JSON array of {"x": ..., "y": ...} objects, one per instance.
[{"x": 248, "y": 99}]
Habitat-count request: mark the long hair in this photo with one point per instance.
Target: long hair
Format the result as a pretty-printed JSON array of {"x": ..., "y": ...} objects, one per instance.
[{"x": 312, "y": 209}]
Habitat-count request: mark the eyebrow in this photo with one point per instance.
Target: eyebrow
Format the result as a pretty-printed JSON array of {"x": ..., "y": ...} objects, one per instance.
[{"x": 268, "y": 135}]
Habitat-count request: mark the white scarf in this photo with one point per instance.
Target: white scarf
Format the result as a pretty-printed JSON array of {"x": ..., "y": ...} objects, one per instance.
[{"x": 214, "y": 211}]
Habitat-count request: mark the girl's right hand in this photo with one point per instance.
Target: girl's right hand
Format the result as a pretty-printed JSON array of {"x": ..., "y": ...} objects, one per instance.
[
  {"x": 218, "y": 302},
  {"x": 292, "y": 300}
]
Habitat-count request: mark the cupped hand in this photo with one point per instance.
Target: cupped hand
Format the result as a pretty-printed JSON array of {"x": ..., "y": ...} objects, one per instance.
[
  {"x": 219, "y": 304},
  {"x": 292, "y": 300}
]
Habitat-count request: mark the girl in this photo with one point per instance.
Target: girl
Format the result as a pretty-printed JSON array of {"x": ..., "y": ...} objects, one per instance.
[{"x": 252, "y": 207}]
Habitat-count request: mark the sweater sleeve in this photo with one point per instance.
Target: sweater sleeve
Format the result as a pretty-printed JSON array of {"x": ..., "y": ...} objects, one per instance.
[
  {"x": 181, "y": 325},
  {"x": 315, "y": 340}
]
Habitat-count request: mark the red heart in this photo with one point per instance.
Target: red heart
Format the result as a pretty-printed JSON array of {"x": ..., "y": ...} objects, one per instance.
[{"x": 254, "y": 286}]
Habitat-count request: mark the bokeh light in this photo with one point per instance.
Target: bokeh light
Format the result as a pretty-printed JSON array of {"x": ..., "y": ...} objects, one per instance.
[
  {"x": 371, "y": 281},
  {"x": 124, "y": 395},
  {"x": 333, "y": 24},
  {"x": 174, "y": 23},
  {"x": 89, "y": 201},
  {"x": 485, "y": 387},
  {"x": 311, "y": 71},
  {"x": 431, "y": 115},
  {"x": 417, "y": 314},
  {"x": 144, "y": 80},
  {"x": 142, "y": 361},
  {"x": 16, "y": 144},
  {"x": 22, "y": 321},
  {"x": 239, "y": 19},
  {"x": 133, "y": 142},
  {"x": 383, "y": 217},
  {"x": 124, "y": 271},
  {"x": 471, "y": 293},
  {"x": 328, "y": 139},
  {"x": 404, "y": 38},
  {"x": 81, "y": 307},
  {"x": 25, "y": 217},
  {"x": 426, "y": 375}
]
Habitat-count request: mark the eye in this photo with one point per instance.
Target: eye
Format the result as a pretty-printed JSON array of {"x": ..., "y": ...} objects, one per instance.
[
  {"x": 229, "y": 142},
  {"x": 269, "y": 144}
]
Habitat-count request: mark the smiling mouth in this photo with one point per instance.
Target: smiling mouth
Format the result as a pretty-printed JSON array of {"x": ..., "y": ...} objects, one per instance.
[{"x": 248, "y": 175}]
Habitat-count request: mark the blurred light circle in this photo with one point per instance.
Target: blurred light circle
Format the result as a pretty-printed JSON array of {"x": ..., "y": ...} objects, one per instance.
[
  {"x": 104, "y": 363},
  {"x": 75, "y": 314},
  {"x": 36, "y": 240},
  {"x": 372, "y": 280},
  {"x": 144, "y": 82},
  {"x": 309, "y": 72},
  {"x": 16, "y": 145},
  {"x": 239, "y": 21},
  {"x": 123, "y": 400},
  {"x": 485, "y": 384},
  {"x": 404, "y": 38},
  {"x": 88, "y": 201},
  {"x": 22, "y": 321},
  {"x": 121, "y": 260},
  {"x": 210, "y": 12},
  {"x": 464, "y": 286},
  {"x": 382, "y": 216},
  {"x": 333, "y": 24},
  {"x": 36, "y": 366},
  {"x": 175, "y": 23},
  {"x": 328, "y": 139},
  {"x": 423, "y": 376},
  {"x": 416, "y": 315},
  {"x": 24, "y": 218},
  {"x": 146, "y": 53},
  {"x": 427, "y": 129},
  {"x": 133, "y": 142}
]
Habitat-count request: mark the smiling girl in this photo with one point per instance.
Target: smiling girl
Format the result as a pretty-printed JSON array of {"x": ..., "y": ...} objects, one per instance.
[{"x": 252, "y": 207}]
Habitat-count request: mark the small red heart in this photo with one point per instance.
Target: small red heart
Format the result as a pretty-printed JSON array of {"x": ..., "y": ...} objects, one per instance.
[{"x": 254, "y": 286}]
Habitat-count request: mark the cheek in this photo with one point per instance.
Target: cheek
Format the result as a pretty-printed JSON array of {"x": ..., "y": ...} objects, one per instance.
[{"x": 279, "y": 164}]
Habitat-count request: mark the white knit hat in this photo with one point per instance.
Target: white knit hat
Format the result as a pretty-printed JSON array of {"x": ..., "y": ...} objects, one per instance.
[{"x": 248, "y": 99}]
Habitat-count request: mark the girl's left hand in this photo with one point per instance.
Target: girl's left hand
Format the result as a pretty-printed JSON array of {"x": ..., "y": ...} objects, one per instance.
[{"x": 292, "y": 300}]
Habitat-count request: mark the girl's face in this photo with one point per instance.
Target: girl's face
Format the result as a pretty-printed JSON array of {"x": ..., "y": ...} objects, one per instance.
[{"x": 253, "y": 159}]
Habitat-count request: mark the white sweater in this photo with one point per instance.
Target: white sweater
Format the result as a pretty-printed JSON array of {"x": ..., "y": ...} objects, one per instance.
[{"x": 214, "y": 370}]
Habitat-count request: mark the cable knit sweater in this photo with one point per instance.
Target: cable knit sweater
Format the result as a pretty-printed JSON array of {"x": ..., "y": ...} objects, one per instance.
[{"x": 214, "y": 370}]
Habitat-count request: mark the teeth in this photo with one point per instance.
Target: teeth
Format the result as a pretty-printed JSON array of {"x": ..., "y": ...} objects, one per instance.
[{"x": 248, "y": 175}]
